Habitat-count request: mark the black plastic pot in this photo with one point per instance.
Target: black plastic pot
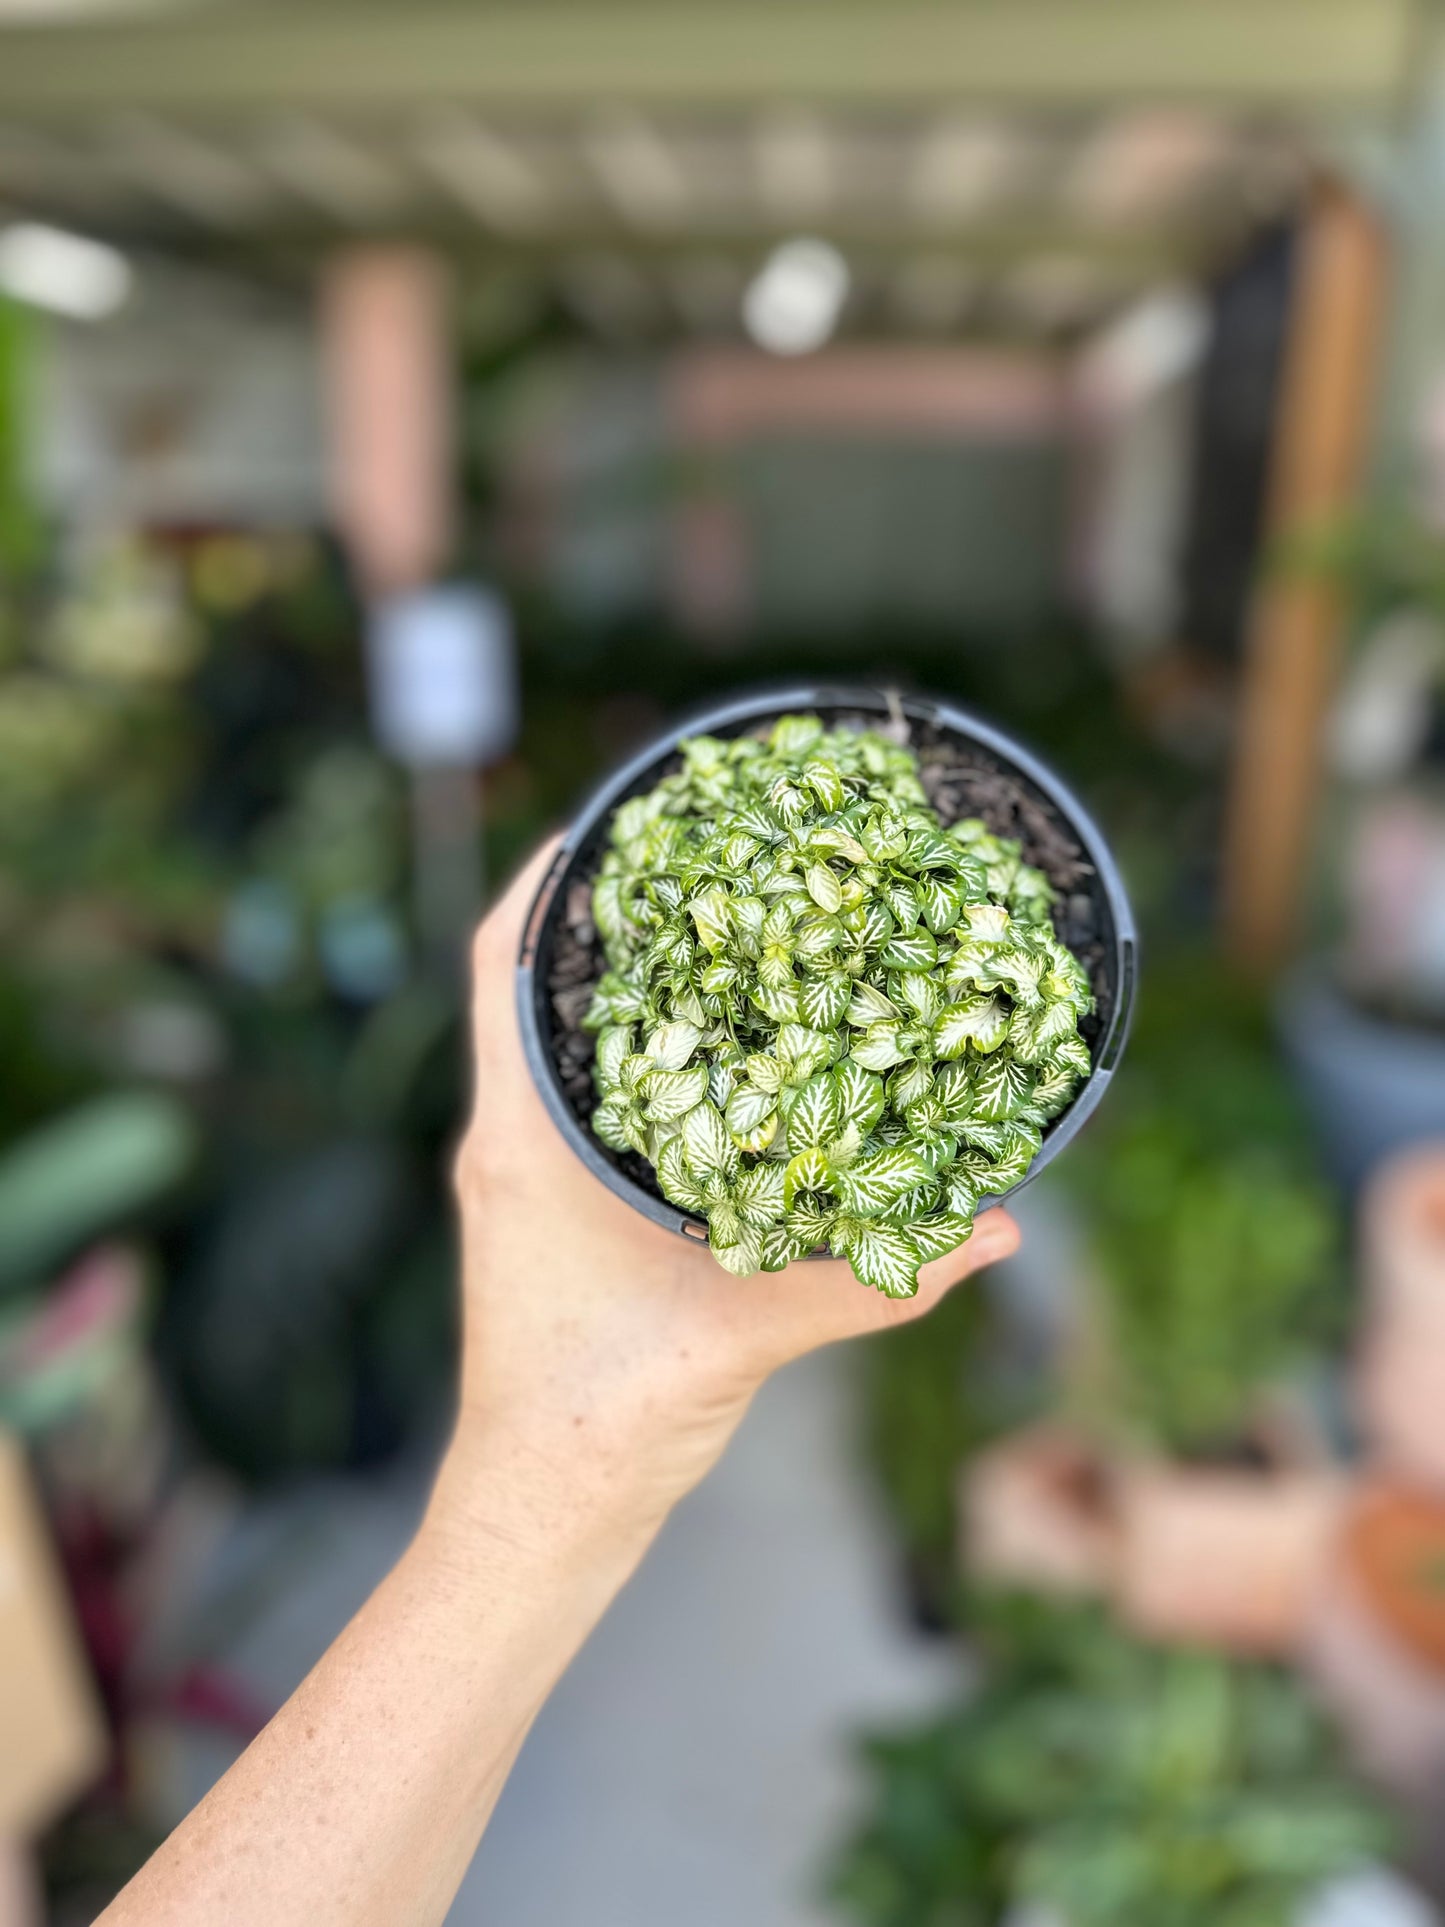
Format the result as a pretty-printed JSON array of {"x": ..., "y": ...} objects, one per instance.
[{"x": 581, "y": 850}]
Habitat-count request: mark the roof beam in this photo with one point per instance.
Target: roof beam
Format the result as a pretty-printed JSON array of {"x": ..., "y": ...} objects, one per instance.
[{"x": 1309, "y": 54}]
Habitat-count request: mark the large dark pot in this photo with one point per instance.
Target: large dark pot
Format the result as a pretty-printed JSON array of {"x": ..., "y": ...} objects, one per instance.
[{"x": 1095, "y": 919}]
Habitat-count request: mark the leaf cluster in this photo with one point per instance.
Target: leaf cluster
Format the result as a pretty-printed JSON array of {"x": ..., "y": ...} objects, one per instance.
[
  {"x": 1102, "y": 1781},
  {"x": 827, "y": 1021}
]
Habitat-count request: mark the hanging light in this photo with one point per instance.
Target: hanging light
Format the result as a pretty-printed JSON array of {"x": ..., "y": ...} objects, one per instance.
[
  {"x": 792, "y": 304},
  {"x": 66, "y": 273}
]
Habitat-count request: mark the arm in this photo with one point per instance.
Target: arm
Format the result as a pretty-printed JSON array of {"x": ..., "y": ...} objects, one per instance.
[{"x": 605, "y": 1365}]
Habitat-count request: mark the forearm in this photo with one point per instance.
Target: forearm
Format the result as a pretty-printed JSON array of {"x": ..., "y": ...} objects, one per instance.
[{"x": 364, "y": 1799}]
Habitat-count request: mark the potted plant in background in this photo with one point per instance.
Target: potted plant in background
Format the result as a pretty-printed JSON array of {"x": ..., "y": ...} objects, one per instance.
[
  {"x": 1190, "y": 1477},
  {"x": 1092, "y": 1781},
  {"x": 835, "y": 1004},
  {"x": 1400, "y": 1371}
]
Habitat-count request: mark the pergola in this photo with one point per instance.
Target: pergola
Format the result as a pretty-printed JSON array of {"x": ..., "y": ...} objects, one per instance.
[{"x": 990, "y": 167}]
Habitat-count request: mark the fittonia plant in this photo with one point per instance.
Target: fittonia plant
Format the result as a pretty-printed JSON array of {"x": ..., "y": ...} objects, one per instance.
[{"x": 827, "y": 1020}]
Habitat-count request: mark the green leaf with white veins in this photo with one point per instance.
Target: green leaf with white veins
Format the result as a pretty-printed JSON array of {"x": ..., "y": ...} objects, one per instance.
[
  {"x": 873, "y": 1184},
  {"x": 670, "y": 1045},
  {"x": 860, "y": 1097},
  {"x": 885, "y": 1256},
  {"x": 870, "y": 1006},
  {"x": 669, "y": 1093},
  {"x": 878, "y": 1049},
  {"x": 707, "y": 1141},
  {"x": 823, "y": 1000},
  {"x": 808, "y": 1171},
  {"x": 813, "y": 1118},
  {"x": 752, "y": 1117},
  {"x": 910, "y": 950},
  {"x": 824, "y": 888},
  {"x": 1001, "y": 1087},
  {"x": 977, "y": 1023}
]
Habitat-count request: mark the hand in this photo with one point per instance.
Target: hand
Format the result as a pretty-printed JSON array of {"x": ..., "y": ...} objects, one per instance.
[{"x": 606, "y": 1361}]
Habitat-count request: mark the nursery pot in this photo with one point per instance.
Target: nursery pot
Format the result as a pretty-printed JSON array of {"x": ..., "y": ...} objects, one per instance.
[
  {"x": 553, "y": 979},
  {"x": 1376, "y": 1642}
]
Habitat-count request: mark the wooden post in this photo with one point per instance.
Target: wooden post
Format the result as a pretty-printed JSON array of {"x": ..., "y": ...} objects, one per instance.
[{"x": 1296, "y": 621}]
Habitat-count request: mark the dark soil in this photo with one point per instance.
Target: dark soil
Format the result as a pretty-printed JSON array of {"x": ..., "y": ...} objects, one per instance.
[{"x": 961, "y": 779}]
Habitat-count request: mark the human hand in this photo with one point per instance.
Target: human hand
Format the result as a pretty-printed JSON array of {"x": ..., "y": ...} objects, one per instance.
[{"x": 606, "y": 1361}]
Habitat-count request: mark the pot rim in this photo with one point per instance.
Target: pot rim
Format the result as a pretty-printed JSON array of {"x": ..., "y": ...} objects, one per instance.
[{"x": 756, "y": 706}]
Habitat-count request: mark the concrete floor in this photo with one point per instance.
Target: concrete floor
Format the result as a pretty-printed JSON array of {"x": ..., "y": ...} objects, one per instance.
[{"x": 694, "y": 1764}]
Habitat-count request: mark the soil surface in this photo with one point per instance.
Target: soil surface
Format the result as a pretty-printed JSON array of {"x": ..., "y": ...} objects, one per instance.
[{"x": 961, "y": 779}]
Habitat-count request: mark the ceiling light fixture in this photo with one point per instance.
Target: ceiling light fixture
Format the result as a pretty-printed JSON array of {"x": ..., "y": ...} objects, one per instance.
[
  {"x": 793, "y": 303},
  {"x": 66, "y": 273}
]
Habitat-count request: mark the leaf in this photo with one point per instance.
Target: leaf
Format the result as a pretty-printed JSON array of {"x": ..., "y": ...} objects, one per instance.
[
  {"x": 760, "y": 1194},
  {"x": 676, "y": 1180},
  {"x": 903, "y": 902},
  {"x": 670, "y": 1045},
  {"x": 910, "y": 950},
  {"x": 711, "y": 913},
  {"x": 942, "y": 899},
  {"x": 813, "y": 1117},
  {"x": 873, "y": 1184},
  {"x": 869, "y": 1006},
  {"x": 808, "y": 1171},
  {"x": 669, "y": 1093},
  {"x": 885, "y": 1256},
  {"x": 908, "y": 1083},
  {"x": 878, "y": 1049},
  {"x": 743, "y": 1256},
  {"x": 752, "y": 1117},
  {"x": 706, "y": 1140},
  {"x": 838, "y": 842},
  {"x": 613, "y": 1123},
  {"x": 986, "y": 922},
  {"x": 614, "y": 1044},
  {"x": 764, "y": 1071},
  {"x": 823, "y": 1000},
  {"x": 826, "y": 784},
  {"x": 935, "y": 1237},
  {"x": 792, "y": 736},
  {"x": 1001, "y": 1087},
  {"x": 860, "y": 1097},
  {"x": 817, "y": 935},
  {"x": 824, "y": 888},
  {"x": 980, "y": 1022}
]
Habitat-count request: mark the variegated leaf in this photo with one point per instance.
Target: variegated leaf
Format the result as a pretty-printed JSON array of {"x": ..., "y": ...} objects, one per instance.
[
  {"x": 669, "y": 1093},
  {"x": 816, "y": 935},
  {"x": 860, "y": 1097},
  {"x": 671, "y": 1045},
  {"x": 759, "y": 1194},
  {"x": 1001, "y": 1087},
  {"x": 877, "y": 1049},
  {"x": 910, "y": 950},
  {"x": 743, "y": 1256},
  {"x": 764, "y": 1071},
  {"x": 908, "y": 1083},
  {"x": 935, "y": 1237},
  {"x": 823, "y": 1000},
  {"x": 813, "y": 1117},
  {"x": 808, "y": 1171},
  {"x": 885, "y": 1256},
  {"x": 919, "y": 992},
  {"x": 874, "y": 1184},
  {"x": 903, "y": 902},
  {"x": 942, "y": 899},
  {"x": 752, "y": 1117},
  {"x": 707, "y": 1141},
  {"x": 711, "y": 913},
  {"x": 977, "y": 1023},
  {"x": 824, "y": 888},
  {"x": 839, "y": 842},
  {"x": 677, "y": 1180},
  {"x": 614, "y": 1046},
  {"x": 869, "y": 1006}
]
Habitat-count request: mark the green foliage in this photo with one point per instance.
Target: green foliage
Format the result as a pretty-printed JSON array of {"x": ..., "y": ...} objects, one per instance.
[
  {"x": 1214, "y": 1240},
  {"x": 1106, "y": 1782},
  {"x": 827, "y": 1021},
  {"x": 81, "y": 1174}
]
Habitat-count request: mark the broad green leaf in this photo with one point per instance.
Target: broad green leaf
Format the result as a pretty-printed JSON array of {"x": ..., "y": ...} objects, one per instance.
[
  {"x": 919, "y": 992},
  {"x": 910, "y": 950},
  {"x": 669, "y": 1093},
  {"x": 1056, "y": 1085},
  {"x": 764, "y": 1071},
  {"x": 711, "y": 912},
  {"x": 824, "y": 888},
  {"x": 873, "y": 1184},
  {"x": 1001, "y": 1086},
  {"x": 860, "y": 1096},
  {"x": 935, "y": 1237},
  {"x": 793, "y": 736},
  {"x": 885, "y": 1256},
  {"x": 986, "y": 922},
  {"x": 752, "y": 1117},
  {"x": 808, "y": 1171},
  {"x": 707, "y": 1141},
  {"x": 869, "y": 1006},
  {"x": 614, "y": 1121},
  {"x": 942, "y": 899},
  {"x": 838, "y": 842},
  {"x": 979, "y": 1023},
  {"x": 676, "y": 1180},
  {"x": 780, "y": 1003},
  {"x": 877, "y": 1049},
  {"x": 816, "y": 935},
  {"x": 823, "y": 1000},
  {"x": 671, "y": 1045},
  {"x": 903, "y": 902},
  {"x": 813, "y": 1119}
]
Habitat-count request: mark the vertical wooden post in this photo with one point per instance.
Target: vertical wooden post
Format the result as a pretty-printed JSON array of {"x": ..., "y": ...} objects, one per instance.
[{"x": 1296, "y": 620}]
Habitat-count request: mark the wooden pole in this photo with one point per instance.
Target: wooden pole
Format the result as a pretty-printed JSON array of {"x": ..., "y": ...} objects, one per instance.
[{"x": 1296, "y": 621}]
